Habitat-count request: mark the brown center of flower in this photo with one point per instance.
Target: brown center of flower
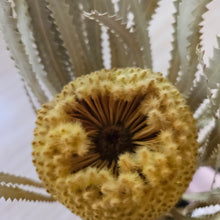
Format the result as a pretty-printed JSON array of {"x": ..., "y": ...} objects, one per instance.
[
  {"x": 112, "y": 141},
  {"x": 113, "y": 128}
]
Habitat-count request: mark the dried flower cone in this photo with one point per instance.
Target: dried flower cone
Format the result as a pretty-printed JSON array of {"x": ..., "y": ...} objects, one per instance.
[{"x": 116, "y": 144}]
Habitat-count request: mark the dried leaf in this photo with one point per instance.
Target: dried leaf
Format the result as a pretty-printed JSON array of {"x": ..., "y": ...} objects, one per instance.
[
  {"x": 9, "y": 178},
  {"x": 52, "y": 55},
  {"x": 15, "y": 193},
  {"x": 116, "y": 26},
  {"x": 8, "y": 26},
  {"x": 71, "y": 38}
]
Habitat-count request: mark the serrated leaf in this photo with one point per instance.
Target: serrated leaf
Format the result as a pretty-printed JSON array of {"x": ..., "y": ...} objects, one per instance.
[
  {"x": 124, "y": 6},
  {"x": 213, "y": 143},
  {"x": 149, "y": 7},
  {"x": 119, "y": 54},
  {"x": 71, "y": 39},
  {"x": 142, "y": 32},
  {"x": 214, "y": 139},
  {"x": 195, "y": 38},
  {"x": 8, "y": 26},
  {"x": 29, "y": 97},
  {"x": 189, "y": 27},
  {"x": 94, "y": 32},
  {"x": 199, "y": 93},
  {"x": 52, "y": 55},
  {"x": 115, "y": 25},
  {"x": 212, "y": 195},
  {"x": 178, "y": 216},
  {"x": 214, "y": 159},
  {"x": 15, "y": 193},
  {"x": 24, "y": 27},
  {"x": 174, "y": 65},
  {"x": 213, "y": 70},
  {"x": 80, "y": 27},
  {"x": 9, "y": 178}
]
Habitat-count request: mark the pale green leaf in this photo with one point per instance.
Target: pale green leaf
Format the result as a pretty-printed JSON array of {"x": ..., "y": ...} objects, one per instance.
[
  {"x": 189, "y": 20},
  {"x": 8, "y": 26},
  {"x": 214, "y": 140},
  {"x": 52, "y": 54},
  {"x": 93, "y": 32},
  {"x": 142, "y": 32},
  {"x": 25, "y": 28},
  {"x": 80, "y": 28},
  {"x": 71, "y": 38},
  {"x": 30, "y": 98},
  {"x": 124, "y": 6},
  {"x": 212, "y": 195},
  {"x": 149, "y": 7},
  {"x": 174, "y": 66},
  {"x": 116, "y": 26},
  {"x": 213, "y": 70},
  {"x": 178, "y": 216},
  {"x": 119, "y": 55}
]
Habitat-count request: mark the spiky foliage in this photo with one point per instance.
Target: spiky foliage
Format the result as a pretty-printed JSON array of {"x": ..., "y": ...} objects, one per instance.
[{"x": 52, "y": 42}]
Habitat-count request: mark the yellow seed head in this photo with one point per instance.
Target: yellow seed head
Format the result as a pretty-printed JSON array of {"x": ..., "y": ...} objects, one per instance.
[{"x": 116, "y": 144}]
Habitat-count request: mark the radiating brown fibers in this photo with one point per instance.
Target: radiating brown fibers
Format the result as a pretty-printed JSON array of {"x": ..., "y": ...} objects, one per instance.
[{"x": 116, "y": 144}]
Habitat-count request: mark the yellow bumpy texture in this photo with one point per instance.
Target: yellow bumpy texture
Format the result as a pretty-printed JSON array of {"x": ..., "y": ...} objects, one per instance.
[{"x": 116, "y": 144}]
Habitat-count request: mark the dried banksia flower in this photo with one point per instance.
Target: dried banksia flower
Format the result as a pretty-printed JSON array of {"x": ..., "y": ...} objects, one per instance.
[{"x": 116, "y": 144}]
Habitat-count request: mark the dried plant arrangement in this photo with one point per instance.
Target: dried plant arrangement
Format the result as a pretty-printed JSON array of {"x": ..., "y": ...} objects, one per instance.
[{"x": 119, "y": 142}]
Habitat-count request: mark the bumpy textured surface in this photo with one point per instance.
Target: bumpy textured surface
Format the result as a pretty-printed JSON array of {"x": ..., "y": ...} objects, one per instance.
[{"x": 116, "y": 144}]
